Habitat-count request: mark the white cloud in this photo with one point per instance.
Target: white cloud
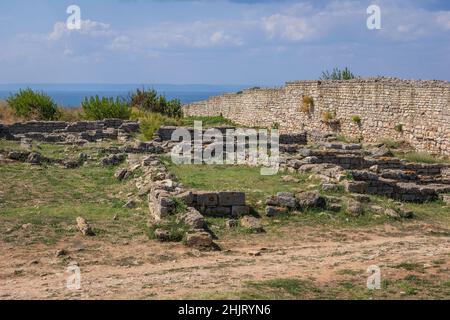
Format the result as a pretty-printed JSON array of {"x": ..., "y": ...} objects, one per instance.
[
  {"x": 288, "y": 27},
  {"x": 88, "y": 28},
  {"x": 443, "y": 19}
]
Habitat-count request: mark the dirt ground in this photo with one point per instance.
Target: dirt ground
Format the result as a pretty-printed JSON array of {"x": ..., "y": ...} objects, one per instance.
[{"x": 145, "y": 269}]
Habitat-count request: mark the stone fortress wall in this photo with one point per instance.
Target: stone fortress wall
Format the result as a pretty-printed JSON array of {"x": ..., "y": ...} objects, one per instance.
[{"x": 420, "y": 108}]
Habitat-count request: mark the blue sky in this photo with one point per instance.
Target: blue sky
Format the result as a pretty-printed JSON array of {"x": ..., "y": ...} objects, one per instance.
[{"x": 220, "y": 42}]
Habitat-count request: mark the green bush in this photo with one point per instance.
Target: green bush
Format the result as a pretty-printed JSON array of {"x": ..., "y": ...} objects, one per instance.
[
  {"x": 356, "y": 119},
  {"x": 95, "y": 108},
  {"x": 398, "y": 128},
  {"x": 33, "y": 105},
  {"x": 150, "y": 101},
  {"x": 338, "y": 74}
]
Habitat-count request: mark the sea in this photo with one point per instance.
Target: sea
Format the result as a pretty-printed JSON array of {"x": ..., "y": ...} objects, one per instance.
[{"x": 71, "y": 95}]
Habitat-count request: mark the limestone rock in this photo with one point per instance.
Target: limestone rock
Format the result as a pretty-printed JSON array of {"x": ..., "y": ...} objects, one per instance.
[
  {"x": 406, "y": 213},
  {"x": 113, "y": 160},
  {"x": 330, "y": 187},
  {"x": 187, "y": 197},
  {"x": 335, "y": 207},
  {"x": 286, "y": 199},
  {"x": 311, "y": 200},
  {"x": 34, "y": 158},
  {"x": 84, "y": 227},
  {"x": 201, "y": 240},
  {"x": 355, "y": 186},
  {"x": 274, "y": 211},
  {"x": 61, "y": 253},
  {"x": 361, "y": 198},
  {"x": 445, "y": 198},
  {"x": 162, "y": 235},
  {"x": 381, "y": 152},
  {"x": 122, "y": 174},
  {"x": 83, "y": 156},
  {"x": 193, "y": 219},
  {"x": 131, "y": 204},
  {"x": 392, "y": 213},
  {"x": 231, "y": 223},
  {"x": 252, "y": 223},
  {"x": 354, "y": 208}
]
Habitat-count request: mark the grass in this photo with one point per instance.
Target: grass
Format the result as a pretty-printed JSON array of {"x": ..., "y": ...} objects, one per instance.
[
  {"x": 176, "y": 229},
  {"x": 345, "y": 139},
  {"x": 390, "y": 143},
  {"x": 421, "y": 157},
  {"x": 410, "y": 266},
  {"x": 236, "y": 178},
  {"x": 208, "y": 122},
  {"x": 50, "y": 198},
  {"x": 351, "y": 288}
]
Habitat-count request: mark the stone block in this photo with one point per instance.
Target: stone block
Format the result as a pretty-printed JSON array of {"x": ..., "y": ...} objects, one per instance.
[
  {"x": 231, "y": 199},
  {"x": 219, "y": 212},
  {"x": 355, "y": 186},
  {"x": 207, "y": 199},
  {"x": 239, "y": 211}
]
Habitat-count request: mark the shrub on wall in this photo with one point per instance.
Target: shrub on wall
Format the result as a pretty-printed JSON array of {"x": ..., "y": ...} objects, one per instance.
[
  {"x": 29, "y": 104},
  {"x": 399, "y": 128},
  {"x": 95, "y": 108},
  {"x": 308, "y": 103},
  {"x": 356, "y": 119},
  {"x": 327, "y": 116}
]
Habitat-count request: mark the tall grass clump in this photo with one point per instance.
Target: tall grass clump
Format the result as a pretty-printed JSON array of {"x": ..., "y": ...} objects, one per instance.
[
  {"x": 150, "y": 101},
  {"x": 95, "y": 108},
  {"x": 422, "y": 157},
  {"x": 31, "y": 105},
  {"x": 150, "y": 122}
]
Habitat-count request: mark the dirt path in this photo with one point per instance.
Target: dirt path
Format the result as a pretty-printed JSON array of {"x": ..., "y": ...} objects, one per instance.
[{"x": 144, "y": 269}]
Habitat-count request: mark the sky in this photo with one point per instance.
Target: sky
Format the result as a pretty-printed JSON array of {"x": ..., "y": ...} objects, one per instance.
[{"x": 220, "y": 41}]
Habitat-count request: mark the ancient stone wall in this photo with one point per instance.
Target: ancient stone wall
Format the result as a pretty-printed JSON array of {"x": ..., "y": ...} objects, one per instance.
[
  {"x": 70, "y": 132},
  {"x": 67, "y": 127},
  {"x": 415, "y": 111}
]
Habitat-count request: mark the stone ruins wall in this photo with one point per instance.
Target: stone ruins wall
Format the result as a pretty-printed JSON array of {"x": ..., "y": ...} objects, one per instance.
[
  {"x": 67, "y": 127},
  {"x": 70, "y": 132},
  {"x": 421, "y": 107}
]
